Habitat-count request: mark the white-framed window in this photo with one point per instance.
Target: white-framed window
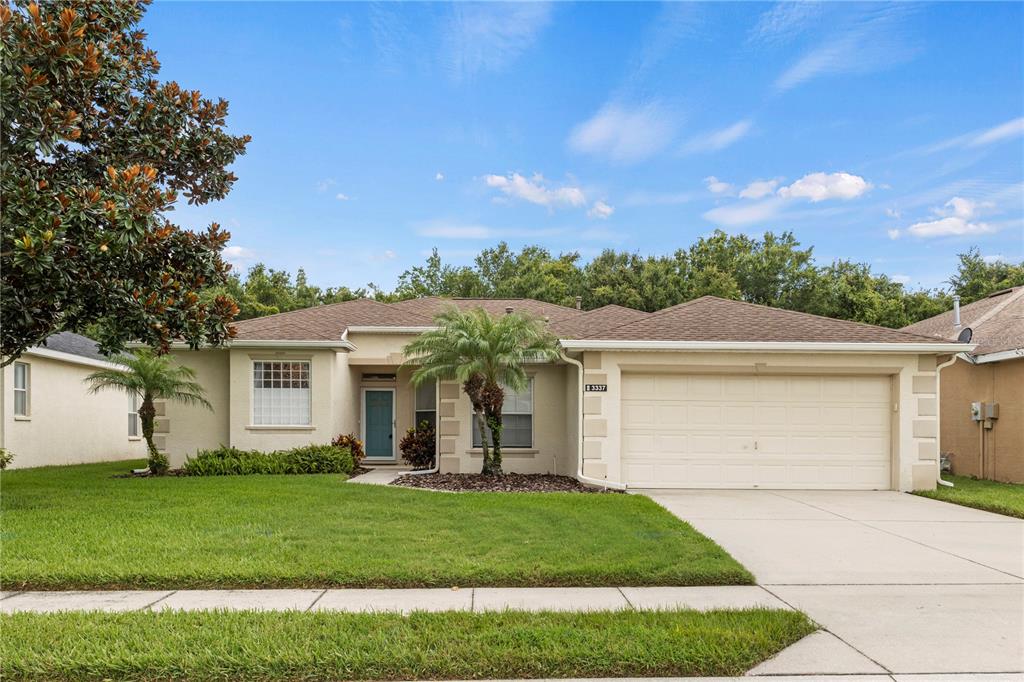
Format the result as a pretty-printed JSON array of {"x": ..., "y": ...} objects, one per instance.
[
  {"x": 133, "y": 416},
  {"x": 516, "y": 419},
  {"x": 22, "y": 389},
  {"x": 280, "y": 393},
  {"x": 426, "y": 403}
]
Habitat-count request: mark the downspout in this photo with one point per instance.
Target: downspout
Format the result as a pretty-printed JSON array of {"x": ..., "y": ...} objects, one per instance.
[
  {"x": 601, "y": 483},
  {"x": 437, "y": 435},
  {"x": 938, "y": 417}
]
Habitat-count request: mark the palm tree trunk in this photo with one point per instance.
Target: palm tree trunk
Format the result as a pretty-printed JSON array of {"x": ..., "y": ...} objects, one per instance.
[
  {"x": 494, "y": 421},
  {"x": 158, "y": 463},
  {"x": 481, "y": 423}
]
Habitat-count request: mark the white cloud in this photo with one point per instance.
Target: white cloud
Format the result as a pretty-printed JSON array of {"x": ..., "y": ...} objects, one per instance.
[
  {"x": 439, "y": 176},
  {"x": 893, "y": 213},
  {"x": 995, "y": 258},
  {"x": 957, "y": 219},
  {"x": 870, "y": 43},
  {"x": 325, "y": 184},
  {"x": 341, "y": 196},
  {"x": 759, "y": 189},
  {"x": 716, "y": 186},
  {"x": 783, "y": 22},
  {"x": 626, "y": 134},
  {"x": 821, "y": 186},
  {"x": 488, "y": 36},
  {"x": 535, "y": 191},
  {"x": 979, "y": 138},
  {"x": 238, "y": 255},
  {"x": 893, "y": 233},
  {"x": 716, "y": 140},
  {"x": 744, "y": 213},
  {"x": 901, "y": 279},
  {"x": 601, "y": 210}
]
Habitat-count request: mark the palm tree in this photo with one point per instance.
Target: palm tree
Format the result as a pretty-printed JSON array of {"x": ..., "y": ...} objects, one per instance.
[
  {"x": 150, "y": 377},
  {"x": 484, "y": 353}
]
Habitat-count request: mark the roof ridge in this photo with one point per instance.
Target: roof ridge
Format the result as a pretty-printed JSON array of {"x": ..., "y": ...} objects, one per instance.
[
  {"x": 656, "y": 313},
  {"x": 997, "y": 308}
]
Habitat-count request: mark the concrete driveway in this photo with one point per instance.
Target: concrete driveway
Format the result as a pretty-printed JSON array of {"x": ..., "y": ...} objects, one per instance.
[{"x": 901, "y": 584}]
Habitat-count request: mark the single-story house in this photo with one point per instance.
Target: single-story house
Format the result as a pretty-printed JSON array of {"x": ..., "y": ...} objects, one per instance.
[
  {"x": 711, "y": 393},
  {"x": 982, "y": 419},
  {"x": 48, "y": 415}
]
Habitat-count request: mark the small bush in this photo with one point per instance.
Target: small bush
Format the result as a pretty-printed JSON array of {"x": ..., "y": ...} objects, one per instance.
[
  {"x": 6, "y": 457},
  {"x": 353, "y": 444},
  {"x": 417, "y": 446},
  {"x": 308, "y": 459}
]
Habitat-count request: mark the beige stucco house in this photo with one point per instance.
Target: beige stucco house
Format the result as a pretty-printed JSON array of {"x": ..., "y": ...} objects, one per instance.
[
  {"x": 707, "y": 394},
  {"x": 983, "y": 441},
  {"x": 48, "y": 415}
]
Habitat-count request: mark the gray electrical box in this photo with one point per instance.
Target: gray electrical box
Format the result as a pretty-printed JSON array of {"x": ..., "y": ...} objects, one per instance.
[
  {"x": 991, "y": 410},
  {"x": 977, "y": 408}
]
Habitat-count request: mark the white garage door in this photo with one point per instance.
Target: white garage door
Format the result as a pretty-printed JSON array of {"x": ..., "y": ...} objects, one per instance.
[{"x": 725, "y": 431}]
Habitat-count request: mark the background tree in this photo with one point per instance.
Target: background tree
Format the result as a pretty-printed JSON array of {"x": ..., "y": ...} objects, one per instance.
[
  {"x": 485, "y": 353},
  {"x": 977, "y": 278},
  {"x": 150, "y": 377},
  {"x": 94, "y": 151}
]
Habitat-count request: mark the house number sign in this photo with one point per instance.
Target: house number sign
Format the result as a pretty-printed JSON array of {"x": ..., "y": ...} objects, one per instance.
[{"x": 596, "y": 388}]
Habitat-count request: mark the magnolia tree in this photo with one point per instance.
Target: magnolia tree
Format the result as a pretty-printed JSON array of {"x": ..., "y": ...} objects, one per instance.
[{"x": 95, "y": 152}]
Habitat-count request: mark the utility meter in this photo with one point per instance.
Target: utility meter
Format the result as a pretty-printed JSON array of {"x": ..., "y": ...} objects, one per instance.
[{"x": 976, "y": 411}]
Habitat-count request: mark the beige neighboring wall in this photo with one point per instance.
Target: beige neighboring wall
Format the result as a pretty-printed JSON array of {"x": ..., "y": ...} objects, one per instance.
[
  {"x": 182, "y": 430},
  {"x": 550, "y": 452},
  {"x": 66, "y": 424},
  {"x": 961, "y": 437},
  {"x": 914, "y": 437}
]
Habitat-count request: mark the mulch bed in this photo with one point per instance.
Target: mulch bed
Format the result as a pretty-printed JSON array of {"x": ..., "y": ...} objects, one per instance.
[{"x": 507, "y": 483}]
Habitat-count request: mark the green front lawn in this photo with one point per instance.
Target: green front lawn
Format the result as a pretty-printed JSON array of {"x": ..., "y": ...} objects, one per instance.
[
  {"x": 993, "y": 496},
  {"x": 222, "y": 645},
  {"x": 77, "y": 527}
]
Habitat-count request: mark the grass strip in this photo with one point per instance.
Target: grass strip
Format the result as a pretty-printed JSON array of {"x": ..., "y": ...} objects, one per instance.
[
  {"x": 991, "y": 496},
  {"x": 78, "y": 527},
  {"x": 222, "y": 645}
]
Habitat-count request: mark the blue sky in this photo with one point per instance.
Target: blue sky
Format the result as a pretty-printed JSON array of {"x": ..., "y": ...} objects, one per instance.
[{"x": 890, "y": 134}]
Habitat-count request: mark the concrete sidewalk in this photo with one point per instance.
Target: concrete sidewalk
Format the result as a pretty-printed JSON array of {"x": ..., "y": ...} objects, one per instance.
[{"x": 404, "y": 601}]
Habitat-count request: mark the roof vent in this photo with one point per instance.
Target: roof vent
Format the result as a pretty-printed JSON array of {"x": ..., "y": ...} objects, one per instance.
[
  {"x": 508, "y": 310},
  {"x": 579, "y": 303},
  {"x": 956, "y": 312},
  {"x": 965, "y": 335}
]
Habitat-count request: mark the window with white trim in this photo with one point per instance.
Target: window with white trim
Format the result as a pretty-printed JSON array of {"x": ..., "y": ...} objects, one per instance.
[
  {"x": 22, "y": 386},
  {"x": 280, "y": 393},
  {"x": 133, "y": 416},
  {"x": 426, "y": 403},
  {"x": 516, "y": 419}
]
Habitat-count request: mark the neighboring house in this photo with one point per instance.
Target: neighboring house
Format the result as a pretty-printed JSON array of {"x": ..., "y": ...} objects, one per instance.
[
  {"x": 992, "y": 374},
  {"x": 48, "y": 415},
  {"x": 707, "y": 394}
]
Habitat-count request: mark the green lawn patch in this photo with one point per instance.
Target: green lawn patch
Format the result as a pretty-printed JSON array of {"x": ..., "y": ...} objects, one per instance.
[
  {"x": 79, "y": 528},
  {"x": 221, "y": 645},
  {"x": 993, "y": 496}
]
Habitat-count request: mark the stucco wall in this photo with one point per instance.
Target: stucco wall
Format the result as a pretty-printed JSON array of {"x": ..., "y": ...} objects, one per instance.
[
  {"x": 182, "y": 430},
  {"x": 66, "y": 424},
  {"x": 549, "y": 452},
  {"x": 914, "y": 426},
  {"x": 961, "y": 438}
]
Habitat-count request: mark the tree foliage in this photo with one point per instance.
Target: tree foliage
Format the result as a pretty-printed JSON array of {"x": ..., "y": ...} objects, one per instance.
[
  {"x": 95, "y": 151},
  {"x": 485, "y": 353},
  {"x": 774, "y": 270}
]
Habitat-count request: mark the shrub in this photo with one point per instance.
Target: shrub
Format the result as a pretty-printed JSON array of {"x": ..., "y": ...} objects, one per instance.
[
  {"x": 308, "y": 459},
  {"x": 417, "y": 446},
  {"x": 353, "y": 444},
  {"x": 6, "y": 457}
]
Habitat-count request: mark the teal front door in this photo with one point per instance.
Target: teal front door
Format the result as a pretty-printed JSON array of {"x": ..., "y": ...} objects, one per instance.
[{"x": 378, "y": 423}]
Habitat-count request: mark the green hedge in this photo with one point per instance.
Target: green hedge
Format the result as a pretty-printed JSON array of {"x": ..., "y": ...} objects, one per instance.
[{"x": 308, "y": 459}]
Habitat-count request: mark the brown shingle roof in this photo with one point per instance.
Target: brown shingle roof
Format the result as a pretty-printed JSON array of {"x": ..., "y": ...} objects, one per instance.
[
  {"x": 431, "y": 305},
  {"x": 717, "y": 319},
  {"x": 997, "y": 322},
  {"x": 594, "y": 321},
  {"x": 327, "y": 322}
]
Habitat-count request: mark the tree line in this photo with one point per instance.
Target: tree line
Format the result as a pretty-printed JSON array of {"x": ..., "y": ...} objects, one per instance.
[{"x": 773, "y": 270}]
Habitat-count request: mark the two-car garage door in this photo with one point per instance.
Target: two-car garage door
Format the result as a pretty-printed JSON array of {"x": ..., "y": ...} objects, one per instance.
[{"x": 765, "y": 431}]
